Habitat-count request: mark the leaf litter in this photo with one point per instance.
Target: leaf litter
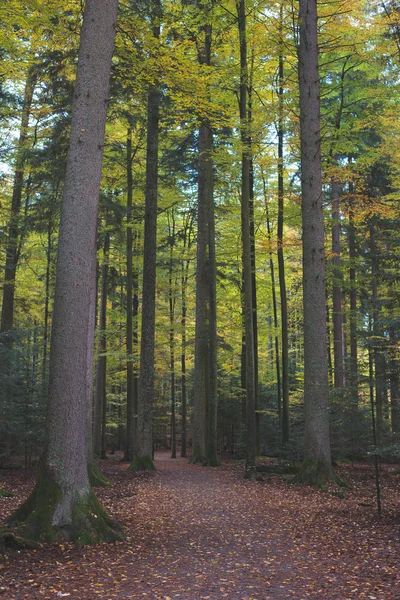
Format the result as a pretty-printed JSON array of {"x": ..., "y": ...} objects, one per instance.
[{"x": 197, "y": 533}]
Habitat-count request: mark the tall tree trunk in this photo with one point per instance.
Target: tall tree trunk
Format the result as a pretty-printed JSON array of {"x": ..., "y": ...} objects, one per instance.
[
  {"x": 7, "y": 310},
  {"x": 62, "y": 503},
  {"x": 211, "y": 454},
  {"x": 184, "y": 280},
  {"x": 317, "y": 455},
  {"x": 201, "y": 353},
  {"x": 275, "y": 313},
  {"x": 171, "y": 302},
  {"x": 100, "y": 398},
  {"x": 394, "y": 383},
  {"x": 130, "y": 387},
  {"x": 378, "y": 354},
  {"x": 281, "y": 260},
  {"x": 250, "y": 468},
  {"x": 337, "y": 315},
  {"x": 144, "y": 431},
  {"x": 253, "y": 253},
  {"x": 353, "y": 377}
]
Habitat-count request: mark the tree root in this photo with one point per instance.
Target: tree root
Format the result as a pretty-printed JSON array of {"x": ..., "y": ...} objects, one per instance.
[
  {"x": 32, "y": 523},
  {"x": 96, "y": 477},
  {"x": 315, "y": 472}
]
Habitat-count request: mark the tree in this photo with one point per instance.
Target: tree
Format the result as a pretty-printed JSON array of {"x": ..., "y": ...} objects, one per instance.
[
  {"x": 144, "y": 429},
  {"x": 62, "y": 503},
  {"x": 316, "y": 465}
]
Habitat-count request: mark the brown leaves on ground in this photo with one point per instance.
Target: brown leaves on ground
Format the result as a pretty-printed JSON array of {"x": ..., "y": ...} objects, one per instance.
[{"x": 206, "y": 533}]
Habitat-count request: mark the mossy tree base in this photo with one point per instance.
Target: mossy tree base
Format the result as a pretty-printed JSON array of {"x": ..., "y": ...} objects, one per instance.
[
  {"x": 317, "y": 473},
  {"x": 32, "y": 523},
  {"x": 96, "y": 477},
  {"x": 250, "y": 472},
  {"x": 212, "y": 461},
  {"x": 142, "y": 463},
  {"x": 197, "y": 457}
]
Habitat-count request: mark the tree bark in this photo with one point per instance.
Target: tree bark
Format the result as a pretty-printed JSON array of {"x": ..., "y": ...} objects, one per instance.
[
  {"x": 62, "y": 503},
  {"x": 317, "y": 455},
  {"x": 102, "y": 359},
  {"x": 281, "y": 260},
  {"x": 250, "y": 467},
  {"x": 337, "y": 314},
  {"x": 144, "y": 431}
]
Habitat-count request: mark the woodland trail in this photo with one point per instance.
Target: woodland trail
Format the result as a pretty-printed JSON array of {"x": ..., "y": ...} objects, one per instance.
[{"x": 206, "y": 533}]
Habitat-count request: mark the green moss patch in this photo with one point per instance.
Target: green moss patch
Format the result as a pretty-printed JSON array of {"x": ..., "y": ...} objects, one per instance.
[
  {"x": 315, "y": 472},
  {"x": 5, "y": 493},
  {"x": 197, "y": 458},
  {"x": 142, "y": 463},
  {"x": 96, "y": 477}
]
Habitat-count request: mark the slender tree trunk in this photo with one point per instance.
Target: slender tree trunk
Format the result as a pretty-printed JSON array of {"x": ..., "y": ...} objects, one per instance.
[
  {"x": 100, "y": 398},
  {"x": 250, "y": 468},
  {"x": 281, "y": 260},
  {"x": 379, "y": 357},
  {"x": 144, "y": 431},
  {"x": 353, "y": 304},
  {"x": 130, "y": 388},
  {"x": 184, "y": 280},
  {"x": 337, "y": 315},
  {"x": 394, "y": 383},
  {"x": 47, "y": 297},
  {"x": 275, "y": 313},
  {"x": 211, "y": 455},
  {"x": 171, "y": 302},
  {"x": 7, "y": 311},
  {"x": 317, "y": 455},
  {"x": 62, "y": 503}
]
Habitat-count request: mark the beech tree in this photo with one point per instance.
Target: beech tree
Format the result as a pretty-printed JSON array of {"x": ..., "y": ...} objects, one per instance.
[{"x": 62, "y": 503}]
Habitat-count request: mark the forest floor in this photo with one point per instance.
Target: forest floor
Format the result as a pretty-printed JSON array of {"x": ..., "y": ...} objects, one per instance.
[{"x": 206, "y": 533}]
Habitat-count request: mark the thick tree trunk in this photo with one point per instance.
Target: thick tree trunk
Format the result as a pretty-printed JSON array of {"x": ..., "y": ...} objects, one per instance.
[
  {"x": 317, "y": 455},
  {"x": 250, "y": 468},
  {"x": 7, "y": 310},
  {"x": 281, "y": 260},
  {"x": 337, "y": 315},
  {"x": 62, "y": 503},
  {"x": 200, "y": 424},
  {"x": 144, "y": 431}
]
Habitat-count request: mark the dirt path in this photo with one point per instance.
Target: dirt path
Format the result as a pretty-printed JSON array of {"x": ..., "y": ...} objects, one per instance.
[{"x": 203, "y": 533}]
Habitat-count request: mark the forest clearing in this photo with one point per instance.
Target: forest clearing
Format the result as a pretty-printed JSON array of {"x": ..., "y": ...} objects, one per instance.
[{"x": 194, "y": 533}]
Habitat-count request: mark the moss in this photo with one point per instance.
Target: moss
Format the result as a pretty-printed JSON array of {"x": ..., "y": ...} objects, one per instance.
[
  {"x": 212, "y": 461},
  {"x": 142, "y": 463},
  {"x": 33, "y": 519},
  {"x": 5, "y": 493},
  {"x": 318, "y": 473},
  {"x": 96, "y": 477},
  {"x": 91, "y": 524},
  {"x": 197, "y": 457},
  {"x": 32, "y": 523}
]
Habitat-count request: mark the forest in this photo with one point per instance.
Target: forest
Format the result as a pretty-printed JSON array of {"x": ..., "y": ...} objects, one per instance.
[{"x": 199, "y": 236}]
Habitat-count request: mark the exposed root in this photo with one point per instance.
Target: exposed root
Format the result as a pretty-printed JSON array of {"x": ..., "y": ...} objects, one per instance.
[
  {"x": 317, "y": 473},
  {"x": 96, "y": 477},
  {"x": 32, "y": 523}
]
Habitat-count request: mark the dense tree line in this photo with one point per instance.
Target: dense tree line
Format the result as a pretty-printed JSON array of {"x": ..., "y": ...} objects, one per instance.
[{"x": 226, "y": 278}]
